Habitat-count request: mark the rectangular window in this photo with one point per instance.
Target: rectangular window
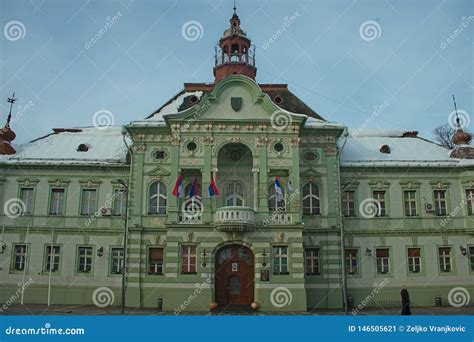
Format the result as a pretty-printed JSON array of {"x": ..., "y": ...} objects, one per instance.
[
  {"x": 312, "y": 261},
  {"x": 470, "y": 201},
  {"x": 471, "y": 258},
  {"x": 414, "y": 260},
  {"x": 280, "y": 260},
  {"x": 188, "y": 259},
  {"x": 444, "y": 254},
  {"x": 85, "y": 260},
  {"x": 348, "y": 203},
  {"x": 26, "y": 198},
  {"x": 410, "y": 202},
  {"x": 53, "y": 254},
  {"x": 383, "y": 260},
  {"x": 57, "y": 202},
  {"x": 440, "y": 202},
  {"x": 155, "y": 260},
  {"x": 116, "y": 266},
  {"x": 351, "y": 261},
  {"x": 20, "y": 257},
  {"x": 120, "y": 201},
  {"x": 379, "y": 196},
  {"x": 88, "y": 206}
]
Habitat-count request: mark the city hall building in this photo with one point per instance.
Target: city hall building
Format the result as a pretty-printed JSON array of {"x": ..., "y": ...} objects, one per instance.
[{"x": 235, "y": 195}]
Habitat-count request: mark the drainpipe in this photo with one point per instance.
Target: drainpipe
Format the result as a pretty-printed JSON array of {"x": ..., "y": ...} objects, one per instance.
[{"x": 341, "y": 227}]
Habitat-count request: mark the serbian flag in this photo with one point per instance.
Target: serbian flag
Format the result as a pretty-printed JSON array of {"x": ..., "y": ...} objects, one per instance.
[
  {"x": 278, "y": 190},
  {"x": 178, "y": 187},
  {"x": 212, "y": 190},
  {"x": 194, "y": 191}
]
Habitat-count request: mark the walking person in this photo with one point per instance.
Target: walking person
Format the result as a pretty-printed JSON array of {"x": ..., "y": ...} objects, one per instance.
[{"x": 405, "y": 301}]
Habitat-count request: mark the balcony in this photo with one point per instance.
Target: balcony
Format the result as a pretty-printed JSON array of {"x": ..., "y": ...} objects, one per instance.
[
  {"x": 185, "y": 218},
  {"x": 234, "y": 219},
  {"x": 280, "y": 218}
]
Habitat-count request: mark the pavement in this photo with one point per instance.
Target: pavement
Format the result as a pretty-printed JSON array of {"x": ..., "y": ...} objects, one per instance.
[{"x": 90, "y": 310}]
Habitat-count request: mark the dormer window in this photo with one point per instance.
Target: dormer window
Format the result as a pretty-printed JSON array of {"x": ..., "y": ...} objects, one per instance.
[
  {"x": 385, "y": 149},
  {"x": 82, "y": 148}
]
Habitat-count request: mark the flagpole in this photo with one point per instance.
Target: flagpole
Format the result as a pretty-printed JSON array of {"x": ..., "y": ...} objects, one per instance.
[
  {"x": 51, "y": 262},
  {"x": 24, "y": 266}
]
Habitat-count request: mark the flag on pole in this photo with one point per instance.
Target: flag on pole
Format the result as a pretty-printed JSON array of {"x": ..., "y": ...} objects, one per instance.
[
  {"x": 290, "y": 188},
  {"x": 278, "y": 190},
  {"x": 212, "y": 190},
  {"x": 178, "y": 187},
  {"x": 194, "y": 191}
]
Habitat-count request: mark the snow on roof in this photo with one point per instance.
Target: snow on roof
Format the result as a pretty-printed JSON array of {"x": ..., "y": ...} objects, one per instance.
[
  {"x": 104, "y": 146},
  {"x": 365, "y": 150},
  {"x": 313, "y": 122},
  {"x": 173, "y": 106}
]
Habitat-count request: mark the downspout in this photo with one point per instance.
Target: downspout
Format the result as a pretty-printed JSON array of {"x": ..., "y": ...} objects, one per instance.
[{"x": 341, "y": 227}]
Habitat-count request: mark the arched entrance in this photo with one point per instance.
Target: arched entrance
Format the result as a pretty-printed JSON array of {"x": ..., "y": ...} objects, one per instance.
[{"x": 234, "y": 281}]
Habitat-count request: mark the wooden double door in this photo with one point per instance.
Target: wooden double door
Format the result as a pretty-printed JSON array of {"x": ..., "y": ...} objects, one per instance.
[{"x": 234, "y": 281}]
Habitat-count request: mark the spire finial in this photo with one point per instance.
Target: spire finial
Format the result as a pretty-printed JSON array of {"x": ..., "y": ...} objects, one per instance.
[
  {"x": 235, "y": 8},
  {"x": 11, "y": 101},
  {"x": 456, "y": 111}
]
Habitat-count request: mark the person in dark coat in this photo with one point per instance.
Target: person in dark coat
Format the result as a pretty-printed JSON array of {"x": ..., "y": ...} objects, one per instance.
[{"x": 405, "y": 301}]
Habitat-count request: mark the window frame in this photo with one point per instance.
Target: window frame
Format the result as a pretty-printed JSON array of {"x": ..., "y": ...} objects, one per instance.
[
  {"x": 46, "y": 259},
  {"x": 383, "y": 203},
  {"x": 189, "y": 258},
  {"x": 159, "y": 197},
  {"x": 14, "y": 256},
  {"x": 421, "y": 272},
  {"x": 51, "y": 199},
  {"x": 312, "y": 197},
  {"x": 234, "y": 196},
  {"x": 78, "y": 261},
  {"x": 410, "y": 201},
  {"x": 469, "y": 203},
  {"x": 387, "y": 259},
  {"x": 31, "y": 201},
  {"x": 272, "y": 197},
  {"x": 280, "y": 257},
  {"x": 149, "y": 264},
  {"x": 119, "y": 258},
  {"x": 346, "y": 200},
  {"x": 312, "y": 271},
  {"x": 451, "y": 260},
  {"x": 93, "y": 208},
  {"x": 348, "y": 259},
  {"x": 123, "y": 206},
  {"x": 437, "y": 201}
]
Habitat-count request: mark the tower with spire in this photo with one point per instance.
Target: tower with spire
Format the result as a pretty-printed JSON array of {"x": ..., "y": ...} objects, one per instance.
[
  {"x": 461, "y": 140},
  {"x": 6, "y": 133},
  {"x": 235, "y": 54}
]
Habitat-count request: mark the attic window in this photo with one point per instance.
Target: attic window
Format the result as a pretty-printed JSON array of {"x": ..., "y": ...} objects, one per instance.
[
  {"x": 193, "y": 99},
  {"x": 82, "y": 148},
  {"x": 385, "y": 149},
  {"x": 159, "y": 154},
  {"x": 278, "y": 99}
]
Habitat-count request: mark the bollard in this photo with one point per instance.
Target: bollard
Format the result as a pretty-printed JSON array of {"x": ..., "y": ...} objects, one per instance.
[{"x": 159, "y": 305}]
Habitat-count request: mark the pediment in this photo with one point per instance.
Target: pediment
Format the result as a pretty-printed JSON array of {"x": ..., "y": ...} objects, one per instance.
[{"x": 159, "y": 171}]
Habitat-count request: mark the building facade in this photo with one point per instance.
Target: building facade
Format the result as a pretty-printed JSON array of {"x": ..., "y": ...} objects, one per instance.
[{"x": 307, "y": 213}]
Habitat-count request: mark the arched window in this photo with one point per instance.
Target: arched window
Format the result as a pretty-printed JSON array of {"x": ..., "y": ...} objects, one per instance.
[
  {"x": 234, "y": 194},
  {"x": 311, "y": 202},
  {"x": 157, "y": 198},
  {"x": 273, "y": 204}
]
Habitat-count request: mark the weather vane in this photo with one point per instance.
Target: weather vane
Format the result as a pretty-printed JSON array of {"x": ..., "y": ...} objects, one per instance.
[
  {"x": 456, "y": 110},
  {"x": 11, "y": 101}
]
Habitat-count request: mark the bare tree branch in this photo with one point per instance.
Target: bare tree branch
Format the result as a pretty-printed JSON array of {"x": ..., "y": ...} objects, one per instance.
[{"x": 443, "y": 134}]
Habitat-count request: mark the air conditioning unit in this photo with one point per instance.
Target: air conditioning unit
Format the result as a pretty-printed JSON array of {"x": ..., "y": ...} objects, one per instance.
[
  {"x": 429, "y": 207},
  {"x": 106, "y": 211}
]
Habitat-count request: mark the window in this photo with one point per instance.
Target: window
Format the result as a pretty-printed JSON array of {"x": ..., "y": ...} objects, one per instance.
[
  {"x": 351, "y": 261},
  {"x": 188, "y": 259},
  {"x": 234, "y": 194},
  {"x": 311, "y": 261},
  {"x": 311, "y": 204},
  {"x": 85, "y": 260},
  {"x": 26, "y": 198},
  {"x": 157, "y": 199},
  {"x": 88, "y": 206},
  {"x": 117, "y": 261},
  {"x": 444, "y": 254},
  {"x": 379, "y": 196},
  {"x": 348, "y": 203},
  {"x": 52, "y": 258},
  {"x": 383, "y": 260},
  {"x": 440, "y": 202},
  {"x": 471, "y": 258},
  {"x": 57, "y": 202},
  {"x": 470, "y": 201},
  {"x": 120, "y": 202},
  {"x": 20, "y": 257},
  {"x": 273, "y": 203},
  {"x": 159, "y": 154},
  {"x": 155, "y": 261},
  {"x": 410, "y": 202},
  {"x": 414, "y": 260},
  {"x": 280, "y": 260}
]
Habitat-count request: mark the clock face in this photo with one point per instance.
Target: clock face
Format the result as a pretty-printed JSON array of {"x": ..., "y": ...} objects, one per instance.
[{"x": 235, "y": 155}]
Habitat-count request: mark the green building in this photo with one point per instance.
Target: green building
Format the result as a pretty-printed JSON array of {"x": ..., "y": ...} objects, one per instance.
[{"x": 308, "y": 212}]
